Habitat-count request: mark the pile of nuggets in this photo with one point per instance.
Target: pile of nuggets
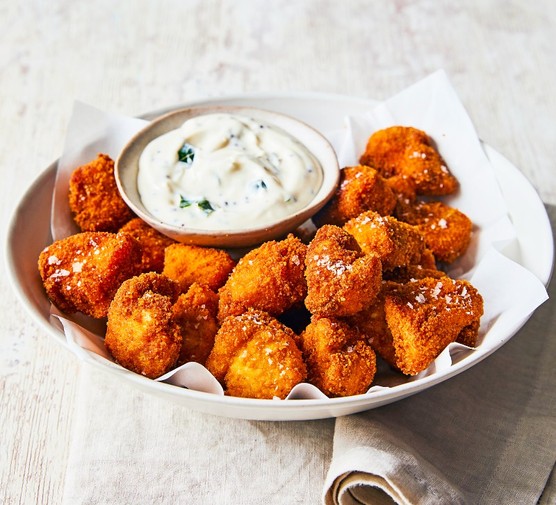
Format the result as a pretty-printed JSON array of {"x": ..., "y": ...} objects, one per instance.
[{"x": 317, "y": 307}]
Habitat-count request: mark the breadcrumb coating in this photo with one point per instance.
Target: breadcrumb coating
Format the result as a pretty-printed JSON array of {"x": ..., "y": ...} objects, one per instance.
[
  {"x": 394, "y": 242},
  {"x": 153, "y": 244},
  {"x": 426, "y": 315},
  {"x": 403, "y": 187},
  {"x": 361, "y": 188},
  {"x": 431, "y": 297},
  {"x": 256, "y": 356},
  {"x": 196, "y": 313},
  {"x": 188, "y": 264},
  {"x": 447, "y": 231},
  {"x": 341, "y": 280},
  {"x": 94, "y": 199},
  {"x": 372, "y": 323},
  {"x": 269, "y": 278},
  {"x": 141, "y": 333},
  {"x": 402, "y": 150},
  {"x": 82, "y": 273},
  {"x": 339, "y": 361}
]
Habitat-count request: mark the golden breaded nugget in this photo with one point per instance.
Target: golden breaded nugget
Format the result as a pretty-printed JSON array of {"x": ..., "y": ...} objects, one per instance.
[
  {"x": 82, "y": 273},
  {"x": 187, "y": 264},
  {"x": 141, "y": 333},
  {"x": 341, "y": 280},
  {"x": 94, "y": 199},
  {"x": 401, "y": 150},
  {"x": 339, "y": 361},
  {"x": 196, "y": 314},
  {"x": 426, "y": 315},
  {"x": 256, "y": 356},
  {"x": 403, "y": 187},
  {"x": 405, "y": 191},
  {"x": 447, "y": 231},
  {"x": 269, "y": 278},
  {"x": 361, "y": 188},
  {"x": 372, "y": 323},
  {"x": 395, "y": 243},
  {"x": 152, "y": 242}
]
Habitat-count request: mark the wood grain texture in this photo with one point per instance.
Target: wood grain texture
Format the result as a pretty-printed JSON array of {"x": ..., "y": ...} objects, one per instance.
[{"x": 134, "y": 56}]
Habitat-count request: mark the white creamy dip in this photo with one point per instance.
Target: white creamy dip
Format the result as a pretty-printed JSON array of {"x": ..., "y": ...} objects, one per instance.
[{"x": 225, "y": 171}]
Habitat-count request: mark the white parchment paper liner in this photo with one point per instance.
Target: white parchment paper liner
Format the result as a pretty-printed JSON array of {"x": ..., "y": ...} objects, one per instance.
[{"x": 510, "y": 291}]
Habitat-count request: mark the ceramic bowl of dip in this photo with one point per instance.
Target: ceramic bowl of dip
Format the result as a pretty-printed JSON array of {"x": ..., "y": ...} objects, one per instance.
[{"x": 226, "y": 176}]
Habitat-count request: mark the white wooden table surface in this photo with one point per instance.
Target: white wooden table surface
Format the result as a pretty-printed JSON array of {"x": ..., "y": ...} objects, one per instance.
[{"x": 134, "y": 56}]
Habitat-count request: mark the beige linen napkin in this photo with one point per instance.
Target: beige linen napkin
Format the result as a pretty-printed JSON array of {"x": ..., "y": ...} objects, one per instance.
[{"x": 487, "y": 436}]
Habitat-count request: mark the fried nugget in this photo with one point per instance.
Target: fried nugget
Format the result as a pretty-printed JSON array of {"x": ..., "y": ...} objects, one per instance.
[
  {"x": 152, "y": 242},
  {"x": 196, "y": 314},
  {"x": 401, "y": 150},
  {"x": 371, "y": 322},
  {"x": 361, "y": 188},
  {"x": 141, "y": 333},
  {"x": 403, "y": 187},
  {"x": 394, "y": 242},
  {"x": 269, "y": 278},
  {"x": 428, "y": 314},
  {"x": 405, "y": 191},
  {"x": 447, "y": 231},
  {"x": 94, "y": 199},
  {"x": 256, "y": 356},
  {"x": 187, "y": 264},
  {"x": 341, "y": 280},
  {"x": 339, "y": 361},
  {"x": 82, "y": 273}
]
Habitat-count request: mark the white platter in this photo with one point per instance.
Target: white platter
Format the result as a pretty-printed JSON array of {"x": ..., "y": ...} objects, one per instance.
[{"x": 29, "y": 233}]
